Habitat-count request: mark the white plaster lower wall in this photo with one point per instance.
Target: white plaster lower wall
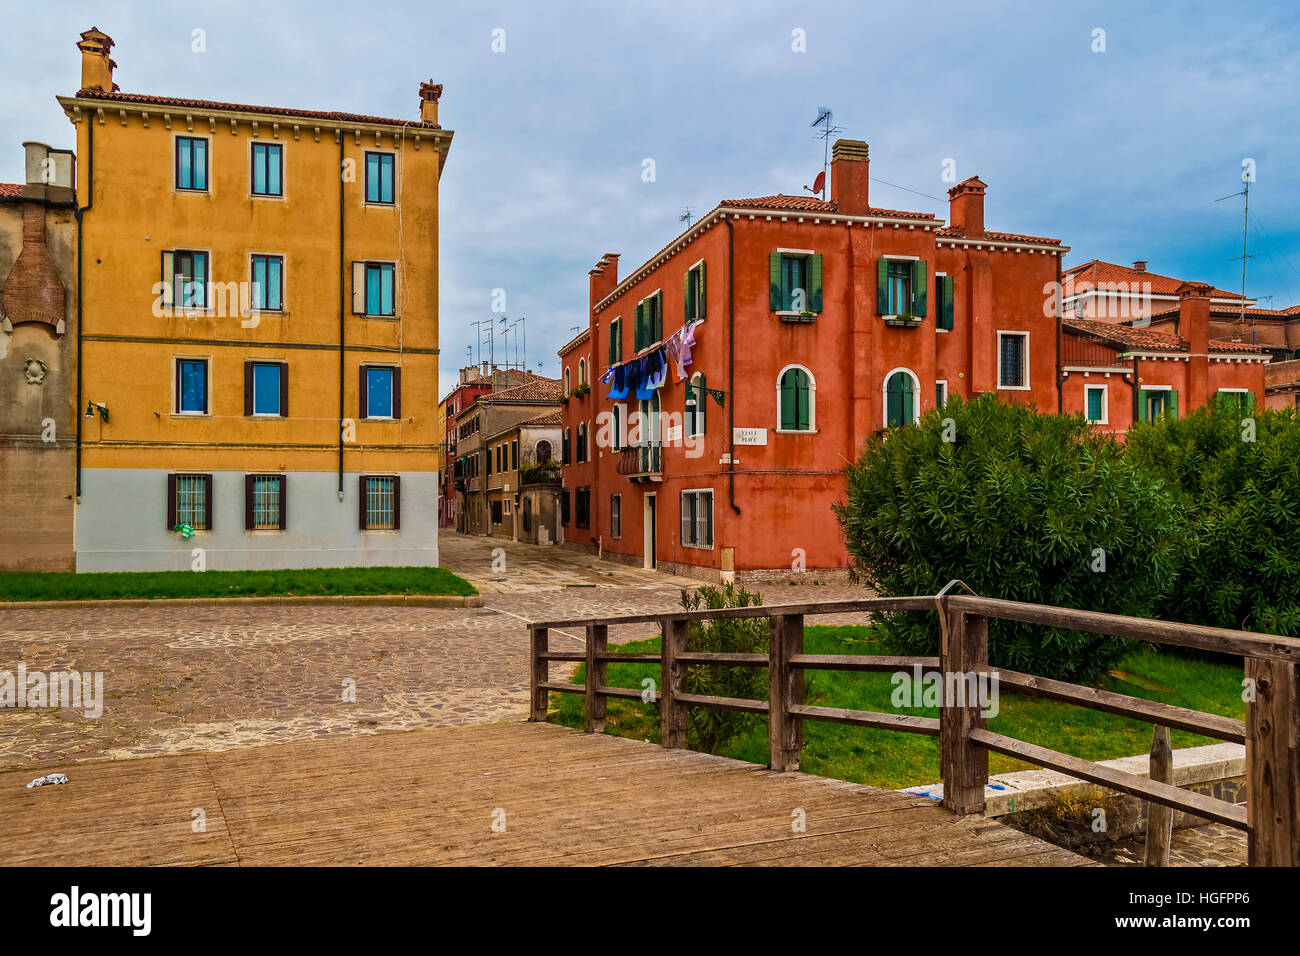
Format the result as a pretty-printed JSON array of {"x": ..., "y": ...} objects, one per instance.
[{"x": 121, "y": 525}]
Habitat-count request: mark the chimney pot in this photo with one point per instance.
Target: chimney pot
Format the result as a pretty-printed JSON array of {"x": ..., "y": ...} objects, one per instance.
[
  {"x": 966, "y": 207},
  {"x": 850, "y": 176},
  {"x": 96, "y": 64},
  {"x": 430, "y": 94},
  {"x": 1139, "y": 265}
]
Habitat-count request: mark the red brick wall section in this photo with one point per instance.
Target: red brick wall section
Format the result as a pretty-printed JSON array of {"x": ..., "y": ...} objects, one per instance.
[{"x": 33, "y": 291}]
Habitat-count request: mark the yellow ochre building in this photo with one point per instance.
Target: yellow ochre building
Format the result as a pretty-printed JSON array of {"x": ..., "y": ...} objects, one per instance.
[{"x": 258, "y": 331}]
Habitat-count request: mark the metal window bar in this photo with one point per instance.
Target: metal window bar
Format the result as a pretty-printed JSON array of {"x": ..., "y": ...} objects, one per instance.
[
  {"x": 266, "y": 504},
  {"x": 379, "y": 503},
  {"x": 192, "y": 501}
]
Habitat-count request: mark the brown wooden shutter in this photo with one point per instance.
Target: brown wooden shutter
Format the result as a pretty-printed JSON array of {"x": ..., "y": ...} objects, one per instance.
[
  {"x": 248, "y": 388},
  {"x": 397, "y": 502},
  {"x": 171, "y": 502},
  {"x": 397, "y": 393},
  {"x": 284, "y": 389},
  {"x": 248, "y": 503},
  {"x": 284, "y": 502},
  {"x": 361, "y": 505},
  {"x": 208, "y": 502},
  {"x": 363, "y": 408}
]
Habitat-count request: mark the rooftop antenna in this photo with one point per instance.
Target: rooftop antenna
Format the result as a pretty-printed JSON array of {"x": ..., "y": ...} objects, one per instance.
[
  {"x": 687, "y": 215},
  {"x": 826, "y": 122},
  {"x": 1247, "y": 174}
]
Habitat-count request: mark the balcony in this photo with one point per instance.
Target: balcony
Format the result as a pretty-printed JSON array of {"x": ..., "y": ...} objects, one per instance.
[{"x": 642, "y": 463}]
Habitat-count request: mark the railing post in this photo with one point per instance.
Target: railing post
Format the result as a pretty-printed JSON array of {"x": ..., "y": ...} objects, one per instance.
[
  {"x": 1160, "y": 819},
  {"x": 539, "y": 639},
  {"x": 784, "y": 688},
  {"x": 1273, "y": 763},
  {"x": 672, "y": 714},
  {"x": 964, "y": 765},
  {"x": 597, "y": 641}
]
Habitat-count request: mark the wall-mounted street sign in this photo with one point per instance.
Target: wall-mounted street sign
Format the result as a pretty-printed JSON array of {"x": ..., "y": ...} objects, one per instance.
[{"x": 749, "y": 436}]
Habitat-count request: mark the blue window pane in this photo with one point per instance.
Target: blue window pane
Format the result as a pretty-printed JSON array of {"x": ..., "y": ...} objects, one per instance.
[
  {"x": 386, "y": 179},
  {"x": 379, "y": 392},
  {"x": 259, "y": 169},
  {"x": 184, "y": 169},
  {"x": 259, "y": 282},
  {"x": 372, "y": 290},
  {"x": 386, "y": 290},
  {"x": 194, "y": 386},
  {"x": 200, "y": 164},
  {"x": 274, "y": 161},
  {"x": 372, "y": 177},
  {"x": 273, "y": 267},
  {"x": 266, "y": 389}
]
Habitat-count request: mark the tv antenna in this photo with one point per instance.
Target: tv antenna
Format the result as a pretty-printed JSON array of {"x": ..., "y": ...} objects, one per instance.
[
  {"x": 828, "y": 129},
  {"x": 1246, "y": 176},
  {"x": 687, "y": 215}
]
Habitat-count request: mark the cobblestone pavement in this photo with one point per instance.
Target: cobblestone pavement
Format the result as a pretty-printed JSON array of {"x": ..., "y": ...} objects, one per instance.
[
  {"x": 182, "y": 679},
  {"x": 1211, "y": 845}
]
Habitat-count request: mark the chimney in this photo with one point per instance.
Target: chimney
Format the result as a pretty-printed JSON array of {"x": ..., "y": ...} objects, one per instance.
[
  {"x": 1194, "y": 325},
  {"x": 33, "y": 291},
  {"x": 49, "y": 173},
  {"x": 604, "y": 277},
  {"x": 1139, "y": 265},
  {"x": 430, "y": 93},
  {"x": 850, "y": 165},
  {"x": 966, "y": 207},
  {"x": 96, "y": 66}
]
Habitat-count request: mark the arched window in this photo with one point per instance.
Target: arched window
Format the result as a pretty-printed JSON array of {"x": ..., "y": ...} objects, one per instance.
[
  {"x": 694, "y": 412},
  {"x": 543, "y": 452},
  {"x": 901, "y": 398},
  {"x": 582, "y": 371},
  {"x": 567, "y": 389},
  {"x": 796, "y": 395}
]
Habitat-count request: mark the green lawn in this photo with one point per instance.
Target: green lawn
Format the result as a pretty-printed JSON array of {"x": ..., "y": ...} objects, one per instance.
[
  {"x": 891, "y": 759},
  {"x": 208, "y": 584}
]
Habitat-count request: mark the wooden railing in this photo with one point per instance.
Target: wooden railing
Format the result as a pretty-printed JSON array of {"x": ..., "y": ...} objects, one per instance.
[{"x": 1270, "y": 732}]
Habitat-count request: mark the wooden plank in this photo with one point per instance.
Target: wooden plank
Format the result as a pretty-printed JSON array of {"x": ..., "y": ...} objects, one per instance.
[
  {"x": 597, "y": 644},
  {"x": 784, "y": 691},
  {"x": 631, "y": 693},
  {"x": 1160, "y": 819},
  {"x": 672, "y": 712},
  {"x": 736, "y": 660},
  {"x": 1273, "y": 763},
  {"x": 724, "y": 703},
  {"x": 863, "y": 662},
  {"x": 617, "y": 658},
  {"x": 560, "y": 687},
  {"x": 1150, "y": 711},
  {"x": 1218, "y": 811},
  {"x": 540, "y": 673},
  {"x": 866, "y": 718},
  {"x": 964, "y": 766},
  {"x": 572, "y": 656},
  {"x": 865, "y": 606},
  {"x": 1220, "y": 640}
]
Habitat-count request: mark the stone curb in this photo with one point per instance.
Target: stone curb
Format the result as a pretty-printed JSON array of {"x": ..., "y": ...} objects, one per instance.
[{"x": 350, "y": 600}]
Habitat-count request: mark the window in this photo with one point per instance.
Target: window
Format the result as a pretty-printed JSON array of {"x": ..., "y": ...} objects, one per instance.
[
  {"x": 1240, "y": 400},
  {"x": 500, "y": 452},
  {"x": 189, "y": 501},
  {"x": 514, "y": 454},
  {"x": 1013, "y": 354},
  {"x": 695, "y": 396},
  {"x": 496, "y": 511},
  {"x": 582, "y": 507},
  {"x": 580, "y": 450},
  {"x": 940, "y": 394},
  {"x": 381, "y": 391},
  {"x": 795, "y": 282},
  {"x": 616, "y": 516},
  {"x": 379, "y": 178},
  {"x": 1154, "y": 402},
  {"x": 192, "y": 163},
  {"x": 695, "y": 297},
  {"x": 268, "y": 273},
  {"x": 192, "y": 386},
  {"x": 566, "y": 451},
  {"x": 265, "y": 503},
  {"x": 616, "y": 442},
  {"x": 381, "y": 502},
  {"x": 582, "y": 371},
  {"x": 697, "y": 519},
  {"x": 373, "y": 288},
  {"x": 1095, "y": 403},
  {"x": 544, "y": 452},
  {"x": 487, "y": 461},
  {"x": 185, "y": 279},
  {"x": 943, "y": 297},
  {"x": 268, "y": 164},
  {"x": 900, "y": 399},
  {"x": 900, "y": 287},
  {"x": 567, "y": 389},
  {"x": 615, "y": 342},
  {"x": 266, "y": 388},
  {"x": 795, "y": 395},
  {"x": 649, "y": 321},
  {"x": 564, "y": 506}
]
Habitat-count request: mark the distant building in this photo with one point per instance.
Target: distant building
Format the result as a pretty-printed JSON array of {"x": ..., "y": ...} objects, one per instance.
[
  {"x": 1109, "y": 292},
  {"x": 39, "y": 414},
  {"x": 523, "y": 491}
]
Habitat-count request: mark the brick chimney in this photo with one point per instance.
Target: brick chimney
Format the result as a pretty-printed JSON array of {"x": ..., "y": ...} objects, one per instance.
[
  {"x": 1194, "y": 325},
  {"x": 33, "y": 291},
  {"x": 1139, "y": 265},
  {"x": 96, "y": 65},
  {"x": 430, "y": 93},
  {"x": 604, "y": 277},
  {"x": 850, "y": 166},
  {"x": 966, "y": 207}
]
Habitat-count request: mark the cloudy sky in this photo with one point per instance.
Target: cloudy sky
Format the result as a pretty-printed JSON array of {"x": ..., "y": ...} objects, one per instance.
[{"x": 1119, "y": 142}]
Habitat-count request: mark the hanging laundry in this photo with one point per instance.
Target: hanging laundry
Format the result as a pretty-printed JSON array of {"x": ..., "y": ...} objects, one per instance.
[
  {"x": 608, "y": 376},
  {"x": 636, "y": 378},
  {"x": 619, "y": 389},
  {"x": 656, "y": 369}
]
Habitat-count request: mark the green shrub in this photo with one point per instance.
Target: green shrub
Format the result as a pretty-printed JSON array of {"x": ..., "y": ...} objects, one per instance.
[
  {"x": 1018, "y": 506},
  {"x": 708, "y": 729},
  {"x": 1237, "y": 481}
]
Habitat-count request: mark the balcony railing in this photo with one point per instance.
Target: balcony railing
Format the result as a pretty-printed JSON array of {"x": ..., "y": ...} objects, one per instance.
[{"x": 642, "y": 462}]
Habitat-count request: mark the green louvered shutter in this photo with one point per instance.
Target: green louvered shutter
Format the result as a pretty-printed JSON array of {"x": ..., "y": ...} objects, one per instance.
[
  {"x": 815, "y": 281},
  {"x": 945, "y": 303},
  {"x": 701, "y": 309},
  {"x": 789, "y": 391},
  {"x": 803, "y": 400},
  {"x": 882, "y": 286},
  {"x": 686, "y": 295},
  {"x": 1173, "y": 404},
  {"x": 638, "y": 333},
  {"x": 1142, "y": 405},
  {"x": 701, "y": 399},
  {"x": 776, "y": 295},
  {"x": 918, "y": 288}
]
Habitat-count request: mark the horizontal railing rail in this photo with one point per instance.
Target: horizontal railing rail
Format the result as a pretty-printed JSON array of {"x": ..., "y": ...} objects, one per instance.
[{"x": 1270, "y": 732}]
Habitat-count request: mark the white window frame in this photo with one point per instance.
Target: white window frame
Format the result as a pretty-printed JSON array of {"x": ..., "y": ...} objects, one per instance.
[
  {"x": 279, "y": 410},
  {"x": 392, "y": 394},
  {"x": 998, "y": 357},
  {"x": 284, "y": 272},
  {"x": 176, "y": 139},
  {"x": 176, "y": 371},
  {"x": 1105, "y": 403},
  {"x": 396, "y": 186},
  {"x": 699, "y": 423},
  {"x": 944, "y": 383},
  {"x": 712, "y": 517},
  {"x": 567, "y": 388},
  {"x": 812, "y": 402},
  {"x": 884, "y": 396},
  {"x": 284, "y": 165}
]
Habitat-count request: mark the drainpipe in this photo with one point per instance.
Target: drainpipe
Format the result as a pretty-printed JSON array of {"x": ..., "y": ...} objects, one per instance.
[
  {"x": 1060, "y": 317},
  {"x": 79, "y": 212},
  {"x": 731, "y": 359},
  {"x": 1137, "y": 392},
  {"x": 342, "y": 314}
]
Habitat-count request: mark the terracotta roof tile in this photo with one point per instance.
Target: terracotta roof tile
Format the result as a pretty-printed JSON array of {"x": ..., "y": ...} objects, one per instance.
[
  {"x": 1146, "y": 340},
  {"x": 150, "y": 100},
  {"x": 548, "y": 419},
  {"x": 544, "y": 390},
  {"x": 11, "y": 190},
  {"x": 1093, "y": 273},
  {"x": 957, "y": 232},
  {"x": 813, "y": 204}
]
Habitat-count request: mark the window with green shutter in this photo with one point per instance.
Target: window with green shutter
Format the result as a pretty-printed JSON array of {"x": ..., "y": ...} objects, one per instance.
[
  {"x": 943, "y": 297},
  {"x": 615, "y": 342},
  {"x": 695, "y": 297},
  {"x": 900, "y": 400},
  {"x": 1096, "y": 403},
  {"x": 694, "y": 411},
  {"x": 649, "y": 321},
  {"x": 796, "y": 400},
  {"x": 796, "y": 283}
]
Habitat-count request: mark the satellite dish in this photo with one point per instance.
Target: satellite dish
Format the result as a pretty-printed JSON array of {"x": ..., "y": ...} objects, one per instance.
[{"x": 819, "y": 182}]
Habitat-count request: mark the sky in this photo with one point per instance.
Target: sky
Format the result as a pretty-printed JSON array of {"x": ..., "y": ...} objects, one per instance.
[{"x": 1113, "y": 126}]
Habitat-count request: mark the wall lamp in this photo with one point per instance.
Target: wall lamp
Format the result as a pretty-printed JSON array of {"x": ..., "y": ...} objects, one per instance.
[{"x": 92, "y": 407}]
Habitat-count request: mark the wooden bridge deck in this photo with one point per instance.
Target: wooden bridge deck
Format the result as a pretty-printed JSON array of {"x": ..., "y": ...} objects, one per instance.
[{"x": 429, "y": 797}]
